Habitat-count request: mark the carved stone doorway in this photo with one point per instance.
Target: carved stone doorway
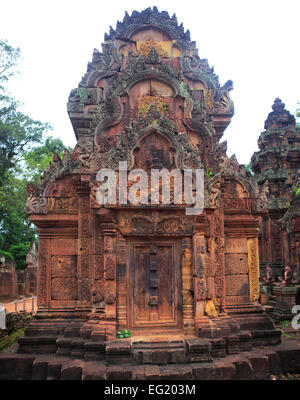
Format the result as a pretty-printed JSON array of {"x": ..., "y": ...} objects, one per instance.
[{"x": 155, "y": 286}]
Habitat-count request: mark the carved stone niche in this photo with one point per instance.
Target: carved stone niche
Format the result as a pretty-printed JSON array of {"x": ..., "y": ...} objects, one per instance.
[
  {"x": 236, "y": 196},
  {"x": 154, "y": 151},
  {"x": 148, "y": 91}
]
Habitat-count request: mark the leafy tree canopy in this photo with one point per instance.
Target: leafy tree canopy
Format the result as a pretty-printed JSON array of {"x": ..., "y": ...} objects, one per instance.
[{"x": 25, "y": 152}]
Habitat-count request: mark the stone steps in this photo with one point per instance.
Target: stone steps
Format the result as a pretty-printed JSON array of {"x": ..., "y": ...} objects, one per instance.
[
  {"x": 255, "y": 364},
  {"x": 147, "y": 351}
]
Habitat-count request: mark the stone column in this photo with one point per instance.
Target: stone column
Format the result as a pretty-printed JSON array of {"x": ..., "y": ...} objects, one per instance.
[{"x": 83, "y": 262}]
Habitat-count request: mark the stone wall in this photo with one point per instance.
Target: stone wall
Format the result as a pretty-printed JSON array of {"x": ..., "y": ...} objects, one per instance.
[
  {"x": 8, "y": 281},
  {"x": 14, "y": 283}
]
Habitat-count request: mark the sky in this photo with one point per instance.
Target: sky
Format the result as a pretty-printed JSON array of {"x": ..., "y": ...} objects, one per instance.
[{"x": 253, "y": 43}]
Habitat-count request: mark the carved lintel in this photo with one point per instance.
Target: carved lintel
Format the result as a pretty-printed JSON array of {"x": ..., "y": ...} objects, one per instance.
[{"x": 156, "y": 225}]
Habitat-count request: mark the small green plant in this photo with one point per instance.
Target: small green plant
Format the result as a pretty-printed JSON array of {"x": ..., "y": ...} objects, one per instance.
[
  {"x": 285, "y": 324},
  {"x": 124, "y": 334},
  {"x": 209, "y": 173}
]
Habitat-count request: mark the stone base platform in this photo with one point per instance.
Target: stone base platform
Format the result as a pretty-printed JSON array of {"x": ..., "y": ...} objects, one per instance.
[
  {"x": 74, "y": 339},
  {"x": 259, "y": 363}
]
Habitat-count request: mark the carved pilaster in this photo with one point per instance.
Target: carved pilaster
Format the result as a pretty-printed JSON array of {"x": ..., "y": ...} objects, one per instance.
[
  {"x": 187, "y": 286},
  {"x": 110, "y": 283},
  {"x": 84, "y": 281},
  {"x": 253, "y": 261},
  {"x": 122, "y": 292},
  {"x": 219, "y": 260},
  {"x": 199, "y": 279},
  {"x": 43, "y": 296},
  {"x": 98, "y": 265}
]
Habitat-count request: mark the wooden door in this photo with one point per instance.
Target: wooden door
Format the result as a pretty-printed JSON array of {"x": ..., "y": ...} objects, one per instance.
[{"x": 155, "y": 285}]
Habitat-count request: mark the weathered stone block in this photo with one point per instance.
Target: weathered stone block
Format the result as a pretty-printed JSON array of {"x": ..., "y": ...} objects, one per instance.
[
  {"x": 177, "y": 356},
  {"x": 160, "y": 357},
  {"x": 15, "y": 366},
  {"x": 260, "y": 365},
  {"x": 236, "y": 264},
  {"x": 204, "y": 371},
  {"x": 64, "y": 289},
  {"x": 63, "y": 266},
  {"x": 138, "y": 372},
  {"x": 152, "y": 372},
  {"x": 244, "y": 369},
  {"x": 94, "y": 371},
  {"x": 236, "y": 245},
  {"x": 117, "y": 372},
  {"x": 40, "y": 367},
  {"x": 172, "y": 372},
  {"x": 72, "y": 370},
  {"x": 225, "y": 370},
  {"x": 237, "y": 285}
]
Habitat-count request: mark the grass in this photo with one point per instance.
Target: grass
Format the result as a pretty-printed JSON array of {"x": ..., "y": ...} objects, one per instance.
[{"x": 11, "y": 339}]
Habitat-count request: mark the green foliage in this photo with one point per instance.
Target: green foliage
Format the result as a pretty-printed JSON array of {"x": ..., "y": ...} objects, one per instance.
[
  {"x": 8, "y": 59},
  {"x": 298, "y": 191},
  {"x": 39, "y": 158},
  {"x": 124, "y": 334},
  {"x": 248, "y": 169},
  {"x": 11, "y": 339},
  {"x": 209, "y": 172},
  {"x": 24, "y": 154},
  {"x": 15, "y": 227},
  {"x": 19, "y": 252},
  {"x": 18, "y": 132},
  {"x": 7, "y": 255}
]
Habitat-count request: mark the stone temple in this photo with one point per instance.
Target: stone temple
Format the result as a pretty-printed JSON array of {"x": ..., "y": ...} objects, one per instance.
[{"x": 186, "y": 284}]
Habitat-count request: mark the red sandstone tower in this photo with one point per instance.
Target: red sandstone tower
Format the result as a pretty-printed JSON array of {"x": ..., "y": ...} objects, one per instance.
[
  {"x": 150, "y": 100},
  {"x": 277, "y": 169}
]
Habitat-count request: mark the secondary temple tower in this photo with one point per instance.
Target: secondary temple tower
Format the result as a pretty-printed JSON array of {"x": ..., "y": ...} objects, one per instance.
[{"x": 277, "y": 169}]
